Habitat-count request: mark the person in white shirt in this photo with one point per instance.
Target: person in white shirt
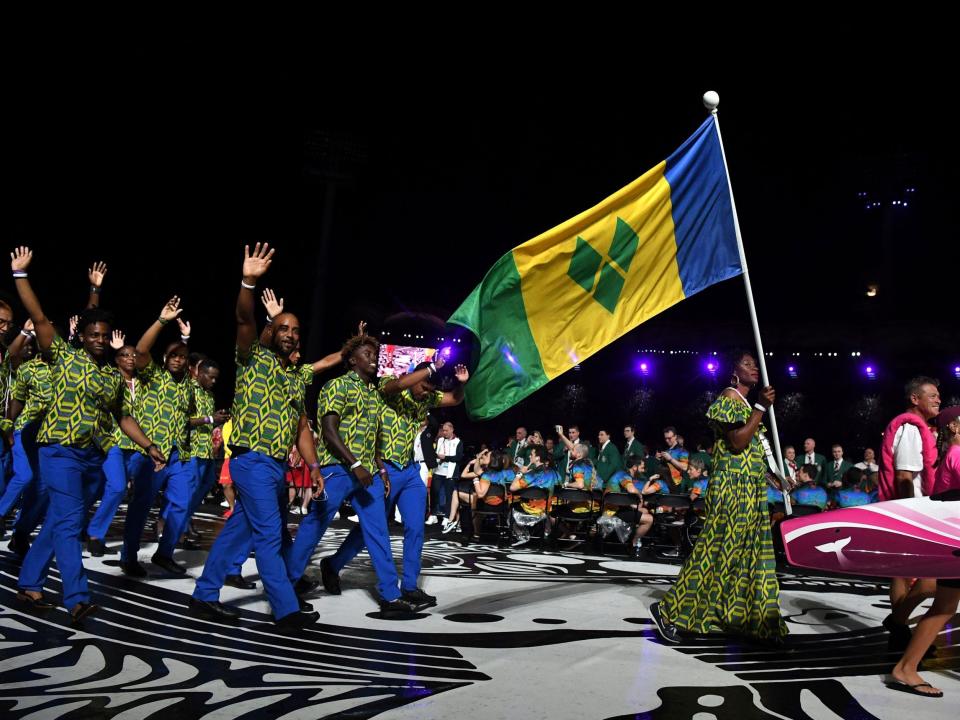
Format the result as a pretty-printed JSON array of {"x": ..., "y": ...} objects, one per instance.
[
  {"x": 449, "y": 456},
  {"x": 923, "y": 400},
  {"x": 869, "y": 462},
  {"x": 790, "y": 465}
]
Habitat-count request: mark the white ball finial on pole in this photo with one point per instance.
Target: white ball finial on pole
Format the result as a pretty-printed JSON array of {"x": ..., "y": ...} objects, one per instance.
[{"x": 711, "y": 100}]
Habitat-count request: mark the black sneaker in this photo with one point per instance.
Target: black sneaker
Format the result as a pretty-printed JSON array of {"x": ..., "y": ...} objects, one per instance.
[
  {"x": 212, "y": 610},
  {"x": 329, "y": 576},
  {"x": 305, "y": 605},
  {"x": 305, "y": 586},
  {"x": 238, "y": 581},
  {"x": 418, "y": 598},
  {"x": 19, "y": 544},
  {"x": 133, "y": 569},
  {"x": 668, "y": 633},
  {"x": 297, "y": 620},
  {"x": 82, "y": 610},
  {"x": 192, "y": 533},
  {"x": 398, "y": 608},
  {"x": 97, "y": 548},
  {"x": 168, "y": 564}
]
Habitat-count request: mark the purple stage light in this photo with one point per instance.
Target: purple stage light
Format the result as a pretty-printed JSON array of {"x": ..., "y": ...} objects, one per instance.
[{"x": 644, "y": 367}]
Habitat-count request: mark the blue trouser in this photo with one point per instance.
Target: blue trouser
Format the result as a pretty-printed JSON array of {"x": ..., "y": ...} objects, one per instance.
[
  {"x": 205, "y": 477},
  {"x": 259, "y": 517},
  {"x": 441, "y": 491},
  {"x": 72, "y": 477},
  {"x": 368, "y": 504},
  {"x": 25, "y": 467},
  {"x": 6, "y": 465},
  {"x": 178, "y": 480},
  {"x": 115, "y": 468},
  {"x": 408, "y": 493}
]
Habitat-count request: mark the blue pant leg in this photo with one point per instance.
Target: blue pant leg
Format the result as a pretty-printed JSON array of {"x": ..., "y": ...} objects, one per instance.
[
  {"x": 6, "y": 465},
  {"x": 72, "y": 475},
  {"x": 22, "y": 474},
  {"x": 368, "y": 502},
  {"x": 410, "y": 495},
  {"x": 234, "y": 540},
  {"x": 338, "y": 484},
  {"x": 115, "y": 470},
  {"x": 146, "y": 485},
  {"x": 181, "y": 483},
  {"x": 206, "y": 478},
  {"x": 33, "y": 507}
]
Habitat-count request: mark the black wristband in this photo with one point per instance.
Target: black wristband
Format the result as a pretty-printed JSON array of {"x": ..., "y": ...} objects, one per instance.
[{"x": 94, "y": 290}]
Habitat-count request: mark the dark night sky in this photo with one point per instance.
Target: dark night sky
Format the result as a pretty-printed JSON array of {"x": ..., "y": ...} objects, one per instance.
[{"x": 164, "y": 164}]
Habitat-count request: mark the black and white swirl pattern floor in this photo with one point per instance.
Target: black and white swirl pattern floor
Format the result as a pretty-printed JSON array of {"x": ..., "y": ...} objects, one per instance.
[{"x": 517, "y": 633}]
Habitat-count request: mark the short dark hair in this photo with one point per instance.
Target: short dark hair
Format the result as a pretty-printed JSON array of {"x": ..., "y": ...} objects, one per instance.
[
  {"x": 810, "y": 470},
  {"x": 355, "y": 342},
  {"x": 91, "y": 316},
  {"x": 208, "y": 364},
  {"x": 4, "y": 304},
  {"x": 853, "y": 476},
  {"x": 670, "y": 429},
  {"x": 914, "y": 384},
  {"x": 634, "y": 460},
  {"x": 733, "y": 358},
  {"x": 195, "y": 358},
  {"x": 631, "y": 426},
  {"x": 573, "y": 427}
]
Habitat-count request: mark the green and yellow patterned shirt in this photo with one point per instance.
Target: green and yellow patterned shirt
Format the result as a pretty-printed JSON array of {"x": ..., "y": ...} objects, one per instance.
[
  {"x": 82, "y": 393},
  {"x": 166, "y": 405},
  {"x": 402, "y": 418},
  {"x": 31, "y": 386},
  {"x": 132, "y": 398},
  {"x": 306, "y": 373},
  {"x": 360, "y": 407},
  {"x": 267, "y": 403},
  {"x": 5, "y": 383},
  {"x": 201, "y": 436}
]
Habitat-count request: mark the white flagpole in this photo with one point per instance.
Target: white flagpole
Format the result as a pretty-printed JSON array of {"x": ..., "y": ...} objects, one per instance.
[{"x": 711, "y": 100}]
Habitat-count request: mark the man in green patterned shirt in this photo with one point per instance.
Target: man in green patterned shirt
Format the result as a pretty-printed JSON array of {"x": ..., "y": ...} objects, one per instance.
[
  {"x": 407, "y": 402},
  {"x": 268, "y": 416},
  {"x": 204, "y": 417},
  {"x": 6, "y": 372},
  {"x": 164, "y": 416},
  {"x": 350, "y": 408},
  {"x": 84, "y": 390}
]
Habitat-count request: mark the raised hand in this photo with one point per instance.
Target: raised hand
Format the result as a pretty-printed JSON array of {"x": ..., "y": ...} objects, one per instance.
[
  {"x": 74, "y": 321},
  {"x": 461, "y": 373},
  {"x": 96, "y": 273},
  {"x": 269, "y": 299},
  {"x": 184, "y": 327},
  {"x": 118, "y": 340},
  {"x": 171, "y": 310},
  {"x": 20, "y": 258},
  {"x": 28, "y": 325},
  {"x": 362, "y": 329},
  {"x": 256, "y": 264}
]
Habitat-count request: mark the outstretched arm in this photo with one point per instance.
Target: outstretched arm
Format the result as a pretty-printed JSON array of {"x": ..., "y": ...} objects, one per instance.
[
  {"x": 95, "y": 274},
  {"x": 19, "y": 262},
  {"x": 254, "y": 267},
  {"x": 455, "y": 396},
  {"x": 170, "y": 311}
]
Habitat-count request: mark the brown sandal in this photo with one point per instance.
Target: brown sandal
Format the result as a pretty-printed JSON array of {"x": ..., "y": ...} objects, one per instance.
[{"x": 34, "y": 604}]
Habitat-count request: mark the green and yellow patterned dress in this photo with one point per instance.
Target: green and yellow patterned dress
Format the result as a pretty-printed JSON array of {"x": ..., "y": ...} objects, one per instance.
[{"x": 729, "y": 582}]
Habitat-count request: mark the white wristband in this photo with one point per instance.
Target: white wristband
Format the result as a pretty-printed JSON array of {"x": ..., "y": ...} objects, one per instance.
[
  {"x": 27, "y": 333},
  {"x": 19, "y": 274},
  {"x": 248, "y": 287},
  {"x": 208, "y": 419},
  {"x": 185, "y": 338},
  {"x": 357, "y": 464},
  {"x": 269, "y": 320},
  {"x": 759, "y": 407}
]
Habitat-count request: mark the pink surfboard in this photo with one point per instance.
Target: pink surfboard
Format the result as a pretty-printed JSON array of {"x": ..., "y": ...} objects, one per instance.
[{"x": 918, "y": 537}]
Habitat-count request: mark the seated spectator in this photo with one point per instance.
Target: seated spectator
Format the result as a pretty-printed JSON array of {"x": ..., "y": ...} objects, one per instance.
[
  {"x": 474, "y": 470},
  {"x": 620, "y": 519},
  {"x": 869, "y": 462},
  {"x": 808, "y": 492},
  {"x": 696, "y": 481},
  {"x": 528, "y": 513},
  {"x": 852, "y": 494}
]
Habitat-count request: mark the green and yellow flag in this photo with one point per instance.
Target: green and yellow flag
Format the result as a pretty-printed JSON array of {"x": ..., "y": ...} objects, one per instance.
[{"x": 557, "y": 299}]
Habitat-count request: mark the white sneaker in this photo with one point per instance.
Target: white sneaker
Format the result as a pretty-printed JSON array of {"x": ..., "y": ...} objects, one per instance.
[
  {"x": 449, "y": 527},
  {"x": 396, "y": 515},
  {"x": 432, "y": 520},
  {"x": 225, "y": 504},
  {"x": 336, "y": 515},
  {"x": 518, "y": 543},
  {"x": 354, "y": 518}
]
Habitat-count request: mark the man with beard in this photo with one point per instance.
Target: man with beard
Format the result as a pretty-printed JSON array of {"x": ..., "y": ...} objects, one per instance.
[{"x": 268, "y": 416}]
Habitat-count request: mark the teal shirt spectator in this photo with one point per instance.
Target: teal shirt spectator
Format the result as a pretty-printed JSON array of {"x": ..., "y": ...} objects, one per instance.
[
  {"x": 810, "y": 495},
  {"x": 853, "y": 497},
  {"x": 615, "y": 483}
]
